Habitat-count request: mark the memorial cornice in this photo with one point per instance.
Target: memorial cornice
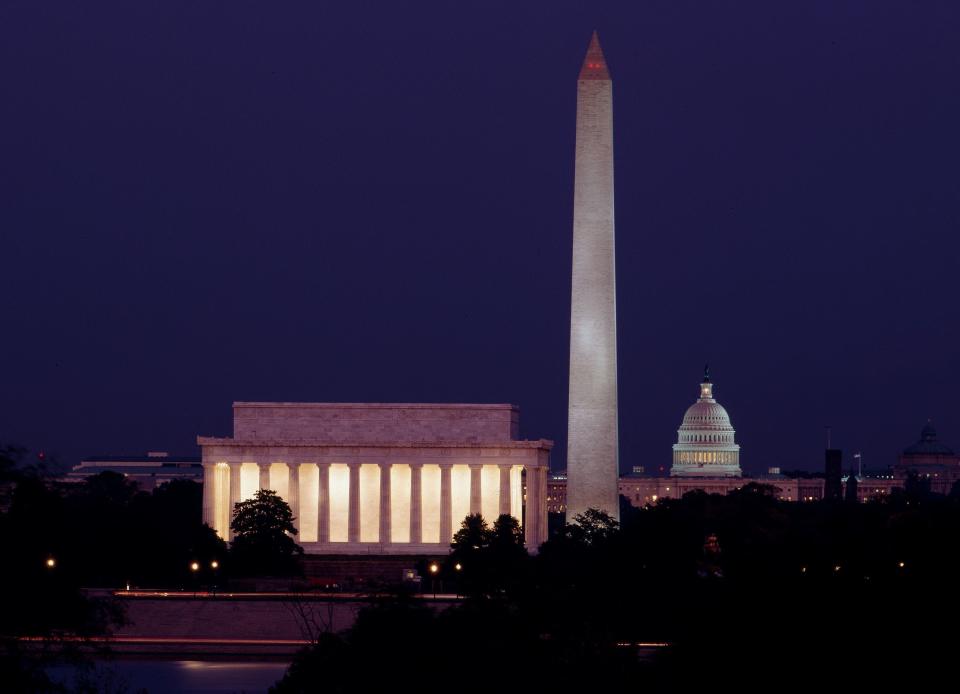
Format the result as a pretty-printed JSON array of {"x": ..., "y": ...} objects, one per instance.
[{"x": 538, "y": 444}]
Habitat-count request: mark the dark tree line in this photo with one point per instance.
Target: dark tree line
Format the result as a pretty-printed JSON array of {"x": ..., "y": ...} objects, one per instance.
[
  {"x": 59, "y": 539},
  {"x": 751, "y": 592}
]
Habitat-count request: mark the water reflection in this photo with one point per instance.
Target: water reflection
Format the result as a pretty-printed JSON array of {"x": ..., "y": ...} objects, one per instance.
[{"x": 188, "y": 676}]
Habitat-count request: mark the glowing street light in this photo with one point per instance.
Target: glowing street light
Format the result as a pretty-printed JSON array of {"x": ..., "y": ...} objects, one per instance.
[
  {"x": 458, "y": 566},
  {"x": 51, "y": 563},
  {"x": 214, "y": 565},
  {"x": 194, "y": 566},
  {"x": 901, "y": 564},
  {"x": 434, "y": 568}
]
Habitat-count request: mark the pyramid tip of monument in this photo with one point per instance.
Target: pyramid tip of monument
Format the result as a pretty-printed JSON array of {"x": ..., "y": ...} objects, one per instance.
[{"x": 594, "y": 63}]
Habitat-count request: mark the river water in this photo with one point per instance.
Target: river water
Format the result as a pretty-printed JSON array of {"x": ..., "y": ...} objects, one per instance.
[{"x": 181, "y": 676}]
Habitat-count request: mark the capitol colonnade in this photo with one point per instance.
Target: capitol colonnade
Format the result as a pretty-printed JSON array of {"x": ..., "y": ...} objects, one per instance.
[{"x": 380, "y": 496}]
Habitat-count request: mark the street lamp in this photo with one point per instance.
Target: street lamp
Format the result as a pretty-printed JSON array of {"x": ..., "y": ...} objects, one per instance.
[
  {"x": 194, "y": 566},
  {"x": 434, "y": 568},
  {"x": 51, "y": 562},
  {"x": 214, "y": 565},
  {"x": 458, "y": 567}
]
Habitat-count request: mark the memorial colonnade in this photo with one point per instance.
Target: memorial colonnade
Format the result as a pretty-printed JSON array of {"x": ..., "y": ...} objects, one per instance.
[{"x": 381, "y": 499}]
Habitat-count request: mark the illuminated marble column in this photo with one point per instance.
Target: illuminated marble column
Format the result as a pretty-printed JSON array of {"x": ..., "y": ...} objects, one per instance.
[
  {"x": 541, "y": 508},
  {"x": 505, "y": 490},
  {"x": 264, "y": 474},
  {"x": 293, "y": 491},
  {"x": 385, "y": 514},
  {"x": 532, "y": 520},
  {"x": 323, "y": 503},
  {"x": 209, "y": 494},
  {"x": 416, "y": 507},
  {"x": 446, "y": 504},
  {"x": 234, "y": 490},
  {"x": 353, "y": 510},
  {"x": 475, "y": 490}
]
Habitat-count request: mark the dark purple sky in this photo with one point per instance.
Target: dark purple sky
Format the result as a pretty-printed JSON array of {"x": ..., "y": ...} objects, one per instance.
[{"x": 218, "y": 201}]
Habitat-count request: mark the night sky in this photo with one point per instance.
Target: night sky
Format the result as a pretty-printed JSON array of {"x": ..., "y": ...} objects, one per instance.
[{"x": 218, "y": 201}]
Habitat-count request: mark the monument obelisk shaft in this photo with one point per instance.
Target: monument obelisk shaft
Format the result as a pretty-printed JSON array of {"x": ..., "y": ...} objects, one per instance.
[{"x": 592, "y": 448}]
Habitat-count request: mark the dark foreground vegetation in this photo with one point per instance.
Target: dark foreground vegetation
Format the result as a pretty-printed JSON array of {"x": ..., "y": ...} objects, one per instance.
[
  {"x": 753, "y": 594},
  {"x": 100, "y": 533}
]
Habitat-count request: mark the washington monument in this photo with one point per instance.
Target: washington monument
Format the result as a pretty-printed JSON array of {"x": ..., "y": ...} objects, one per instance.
[{"x": 592, "y": 449}]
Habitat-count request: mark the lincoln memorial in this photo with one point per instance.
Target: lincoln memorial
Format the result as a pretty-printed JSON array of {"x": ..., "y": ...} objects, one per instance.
[{"x": 377, "y": 478}]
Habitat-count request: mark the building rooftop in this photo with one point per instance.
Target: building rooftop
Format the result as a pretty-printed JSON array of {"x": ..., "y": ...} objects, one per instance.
[{"x": 154, "y": 459}]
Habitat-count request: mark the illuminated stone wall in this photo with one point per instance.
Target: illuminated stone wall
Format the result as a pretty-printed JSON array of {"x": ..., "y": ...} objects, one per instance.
[{"x": 374, "y": 422}]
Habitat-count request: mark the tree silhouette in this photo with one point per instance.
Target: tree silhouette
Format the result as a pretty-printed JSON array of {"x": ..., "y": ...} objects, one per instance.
[
  {"x": 592, "y": 527},
  {"x": 262, "y": 543},
  {"x": 491, "y": 561},
  {"x": 473, "y": 535}
]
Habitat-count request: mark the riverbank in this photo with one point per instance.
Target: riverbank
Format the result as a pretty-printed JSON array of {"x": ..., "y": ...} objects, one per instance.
[{"x": 204, "y": 625}]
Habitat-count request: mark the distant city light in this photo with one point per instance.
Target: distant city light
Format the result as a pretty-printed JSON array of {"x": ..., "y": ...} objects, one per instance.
[
  {"x": 51, "y": 562},
  {"x": 458, "y": 566},
  {"x": 214, "y": 564},
  {"x": 194, "y": 566},
  {"x": 434, "y": 568},
  {"x": 901, "y": 564}
]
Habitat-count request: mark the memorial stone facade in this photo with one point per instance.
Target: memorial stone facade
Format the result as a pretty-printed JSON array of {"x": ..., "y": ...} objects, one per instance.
[{"x": 375, "y": 478}]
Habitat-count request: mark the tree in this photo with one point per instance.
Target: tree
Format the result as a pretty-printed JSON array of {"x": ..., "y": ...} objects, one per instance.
[
  {"x": 41, "y": 581},
  {"x": 592, "y": 527},
  {"x": 110, "y": 489},
  {"x": 491, "y": 560},
  {"x": 955, "y": 490},
  {"x": 262, "y": 543},
  {"x": 473, "y": 535},
  {"x": 507, "y": 535},
  {"x": 509, "y": 562}
]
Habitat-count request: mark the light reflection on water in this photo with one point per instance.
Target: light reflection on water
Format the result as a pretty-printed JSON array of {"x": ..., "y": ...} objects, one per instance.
[{"x": 189, "y": 676}]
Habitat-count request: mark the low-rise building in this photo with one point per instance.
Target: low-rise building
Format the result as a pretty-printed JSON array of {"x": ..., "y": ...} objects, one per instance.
[{"x": 148, "y": 471}]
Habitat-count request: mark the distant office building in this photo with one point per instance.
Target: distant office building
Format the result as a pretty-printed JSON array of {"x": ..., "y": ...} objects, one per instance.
[
  {"x": 148, "y": 471},
  {"x": 641, "y": 490}
]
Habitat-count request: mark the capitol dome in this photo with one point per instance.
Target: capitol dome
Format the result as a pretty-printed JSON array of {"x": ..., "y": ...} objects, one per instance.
[
  {"x": 928, "y": 443},
  {"x": 705, "y": 441}
]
